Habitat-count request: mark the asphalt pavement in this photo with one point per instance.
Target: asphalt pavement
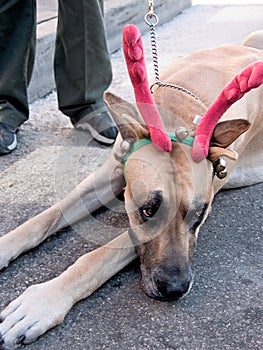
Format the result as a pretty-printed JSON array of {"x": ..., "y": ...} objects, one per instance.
[{"x": 225, "y": 307}]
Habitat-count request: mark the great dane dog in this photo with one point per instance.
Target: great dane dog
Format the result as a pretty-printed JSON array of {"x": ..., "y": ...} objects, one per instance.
[{"x": 167, "y": 195}]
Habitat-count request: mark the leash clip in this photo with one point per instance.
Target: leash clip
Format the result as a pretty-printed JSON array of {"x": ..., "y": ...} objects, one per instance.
[
  {"x": 151, "y": 18},
  {"x": 150, "y": 9}
]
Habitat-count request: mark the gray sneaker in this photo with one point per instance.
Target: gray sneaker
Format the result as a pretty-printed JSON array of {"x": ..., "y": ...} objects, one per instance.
[
  {"x": 8, "y": 140},
  {"x": 101, "y": 126}
]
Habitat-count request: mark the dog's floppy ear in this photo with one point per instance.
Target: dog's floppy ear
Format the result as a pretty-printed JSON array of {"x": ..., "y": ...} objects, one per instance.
[
  {"x": 126, "y": 117},
  {"x": 224, "y": 135}
]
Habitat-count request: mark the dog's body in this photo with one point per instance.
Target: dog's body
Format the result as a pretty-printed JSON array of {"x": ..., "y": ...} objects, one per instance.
[{"x": 167, "y": 195}]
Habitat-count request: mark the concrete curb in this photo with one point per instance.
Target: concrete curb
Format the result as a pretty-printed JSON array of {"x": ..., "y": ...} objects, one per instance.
[{"x": 117, "y": 14}]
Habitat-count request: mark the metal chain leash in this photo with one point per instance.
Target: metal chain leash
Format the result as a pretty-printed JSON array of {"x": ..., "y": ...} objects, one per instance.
[{"x": 151, "y": 19}]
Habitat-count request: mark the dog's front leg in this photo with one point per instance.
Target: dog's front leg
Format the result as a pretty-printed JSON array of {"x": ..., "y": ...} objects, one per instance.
[
  {"x": 45, "y": 305},
  {"x": 97, "y": 189}
]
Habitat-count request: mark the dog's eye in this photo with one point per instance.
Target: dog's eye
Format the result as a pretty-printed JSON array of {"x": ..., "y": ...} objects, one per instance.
[
  {"x": 151, "y": 207},
  {"x": 195, "y": 217},
  {"x": 148, "y": 212}
]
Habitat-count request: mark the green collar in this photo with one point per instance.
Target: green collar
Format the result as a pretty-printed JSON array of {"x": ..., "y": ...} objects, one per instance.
[
  {"x": 189, "y": 140},
  {"x": 140, "y": 143}
]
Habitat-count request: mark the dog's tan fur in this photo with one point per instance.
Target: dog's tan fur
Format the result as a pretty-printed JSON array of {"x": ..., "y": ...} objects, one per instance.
[{"x": 165, "y": 245}]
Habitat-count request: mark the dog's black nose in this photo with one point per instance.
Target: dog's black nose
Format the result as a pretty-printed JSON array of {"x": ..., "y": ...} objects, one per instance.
[{"x": 172, "y": 289}]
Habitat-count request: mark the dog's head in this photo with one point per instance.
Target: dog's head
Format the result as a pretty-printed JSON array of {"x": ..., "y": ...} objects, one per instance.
[{"x": 167, "y": 198}]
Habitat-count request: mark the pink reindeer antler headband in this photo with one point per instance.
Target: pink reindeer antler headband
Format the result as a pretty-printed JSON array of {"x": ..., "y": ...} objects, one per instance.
[
  {"x": 250, "y": 78},
  {"x": 134, "y": 55}
]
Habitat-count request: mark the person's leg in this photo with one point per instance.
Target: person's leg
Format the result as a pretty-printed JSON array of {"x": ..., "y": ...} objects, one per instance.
[
  {"x": 83, "y": 68},
  {"x": 17, "y": 48}
]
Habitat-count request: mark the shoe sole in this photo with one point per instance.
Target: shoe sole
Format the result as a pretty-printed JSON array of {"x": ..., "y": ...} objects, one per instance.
[
  {"x": 9, "y": 148},
  {"x": 94, "y": 134}
]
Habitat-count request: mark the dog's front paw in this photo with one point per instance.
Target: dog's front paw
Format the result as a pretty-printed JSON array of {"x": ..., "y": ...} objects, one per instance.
[{"x": 38, "y": 309}]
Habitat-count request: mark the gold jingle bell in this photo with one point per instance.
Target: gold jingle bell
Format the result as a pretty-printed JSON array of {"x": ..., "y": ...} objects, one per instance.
[
  {"x": 219, "y": 165},
  {"x": 221, "y": 174},
  {"x": 181, "y": 133},
  {"x": 220, "y": 168}
]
